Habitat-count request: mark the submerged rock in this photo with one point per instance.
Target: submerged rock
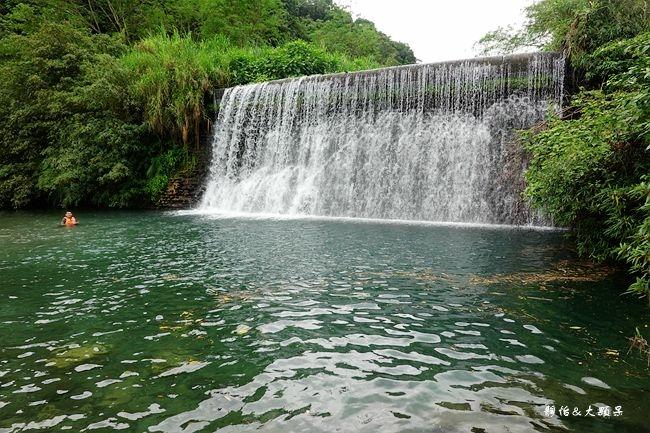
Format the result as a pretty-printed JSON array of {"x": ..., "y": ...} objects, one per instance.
[{"x": 76, "y": 354}]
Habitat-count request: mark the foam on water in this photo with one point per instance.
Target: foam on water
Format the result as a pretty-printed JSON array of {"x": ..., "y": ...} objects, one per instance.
[{"x": 212, "y": 214}]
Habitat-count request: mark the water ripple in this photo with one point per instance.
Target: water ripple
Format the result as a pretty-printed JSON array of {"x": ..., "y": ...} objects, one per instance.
[{"x": 183, "y": 324}]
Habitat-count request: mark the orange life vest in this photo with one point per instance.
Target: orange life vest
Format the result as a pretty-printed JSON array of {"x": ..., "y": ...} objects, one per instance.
[{"x": 70, "y": 221}]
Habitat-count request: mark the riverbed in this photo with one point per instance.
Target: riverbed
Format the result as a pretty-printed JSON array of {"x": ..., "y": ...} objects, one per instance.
[{"x": 181, "y": 322}]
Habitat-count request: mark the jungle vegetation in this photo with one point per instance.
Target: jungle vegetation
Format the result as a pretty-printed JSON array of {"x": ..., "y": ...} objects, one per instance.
[
  {"x": 590, "y": 165},
  {"x": 102, "y": 101}
]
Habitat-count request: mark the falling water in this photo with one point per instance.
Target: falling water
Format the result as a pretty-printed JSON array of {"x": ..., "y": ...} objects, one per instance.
[{"x": 433, "y": 142}]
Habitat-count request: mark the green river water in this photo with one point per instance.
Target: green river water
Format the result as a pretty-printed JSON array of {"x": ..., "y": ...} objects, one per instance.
[{"x": 163, "y": 322}]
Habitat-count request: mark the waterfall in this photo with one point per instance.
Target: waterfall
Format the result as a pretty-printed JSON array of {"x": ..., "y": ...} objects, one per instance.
[{"x": 433, "y": 142}]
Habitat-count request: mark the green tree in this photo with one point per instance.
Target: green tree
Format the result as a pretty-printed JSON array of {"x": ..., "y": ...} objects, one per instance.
[
  {"x": 253, "y": 22},
  {"x": 358, "y": 38},
  {"x": 134, "y": 19},
  {"x": 101, "y": 151},
  {"x": 578, "y": 27},
  {"x": 67, "y": 132},
  {"x": 37, "y": 68}
]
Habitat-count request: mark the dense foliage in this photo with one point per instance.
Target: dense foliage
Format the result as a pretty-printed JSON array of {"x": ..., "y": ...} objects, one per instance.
[
  {"x": 590, "y": 167},
  {"x": 101, "y": 101},
  {"x": 578, "y": 27}
]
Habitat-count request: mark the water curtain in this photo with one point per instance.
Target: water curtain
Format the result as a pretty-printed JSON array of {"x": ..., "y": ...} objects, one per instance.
[{"x": 433, "y": 142}]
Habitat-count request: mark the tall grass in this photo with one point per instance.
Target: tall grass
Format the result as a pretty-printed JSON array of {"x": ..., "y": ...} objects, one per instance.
[
  {"x": 170, "y": 76},
  {"x": 171, "y": 73}
]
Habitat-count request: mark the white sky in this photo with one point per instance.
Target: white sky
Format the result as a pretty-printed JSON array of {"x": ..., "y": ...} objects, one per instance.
[{"x": 438, "y": 30}]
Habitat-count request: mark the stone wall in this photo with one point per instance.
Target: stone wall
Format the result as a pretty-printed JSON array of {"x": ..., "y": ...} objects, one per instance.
[{"x": 184, "y": 191}]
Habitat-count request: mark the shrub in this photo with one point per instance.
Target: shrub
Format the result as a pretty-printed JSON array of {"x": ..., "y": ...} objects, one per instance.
[{"x": 290, "y": 60}]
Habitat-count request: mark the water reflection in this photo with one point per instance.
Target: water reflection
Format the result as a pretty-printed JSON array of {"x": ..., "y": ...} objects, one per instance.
[{"x": 185, "y": 324}]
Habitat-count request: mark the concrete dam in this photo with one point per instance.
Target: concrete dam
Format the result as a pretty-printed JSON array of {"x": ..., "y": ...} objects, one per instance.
[{"x": 432, "y": 142}]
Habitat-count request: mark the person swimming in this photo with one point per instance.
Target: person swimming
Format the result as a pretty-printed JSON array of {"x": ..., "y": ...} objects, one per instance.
[{"x": 69, "y": 220}]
